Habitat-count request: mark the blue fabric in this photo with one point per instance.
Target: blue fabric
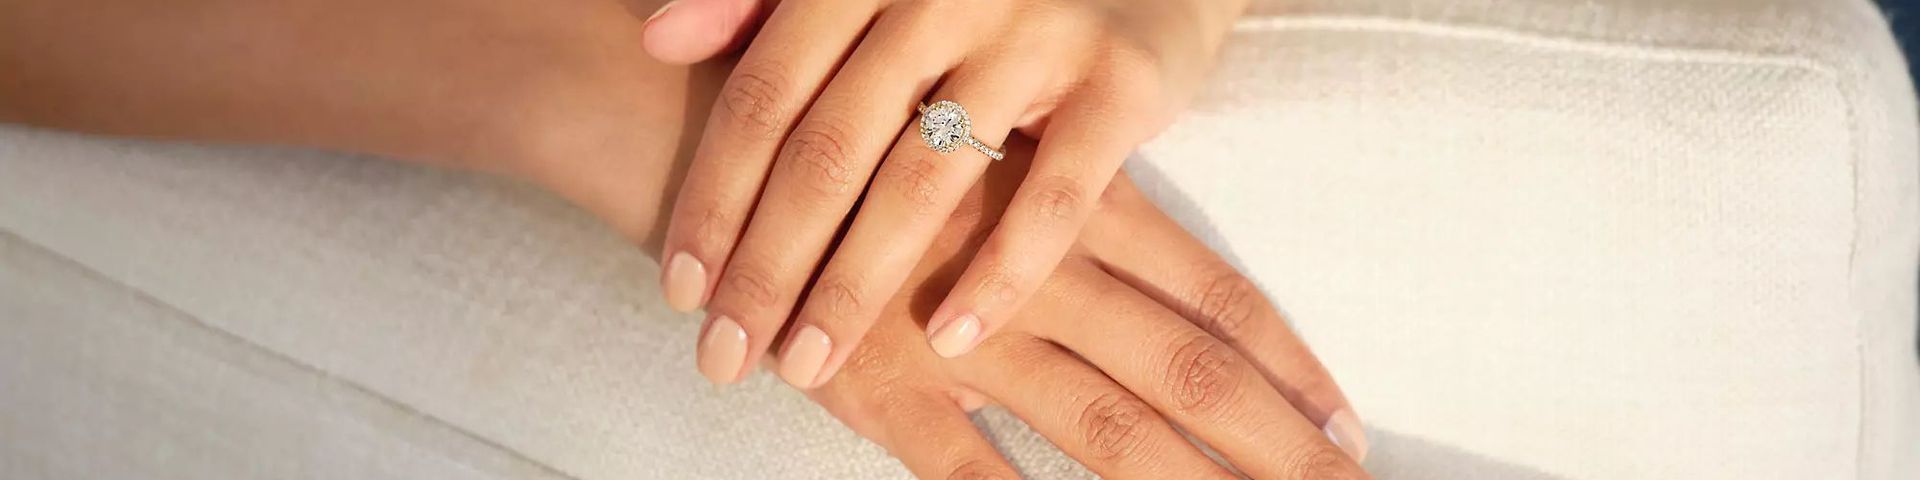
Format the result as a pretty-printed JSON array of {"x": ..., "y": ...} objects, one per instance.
[{"x": 1905, "y": 15}]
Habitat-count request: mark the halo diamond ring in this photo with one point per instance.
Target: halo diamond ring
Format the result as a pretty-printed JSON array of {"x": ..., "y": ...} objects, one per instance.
[{"x": 945, "y": 126}]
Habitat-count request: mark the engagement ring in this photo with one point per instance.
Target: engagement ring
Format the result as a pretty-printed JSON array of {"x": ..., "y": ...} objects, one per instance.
[{"x": 945, "y": 126}]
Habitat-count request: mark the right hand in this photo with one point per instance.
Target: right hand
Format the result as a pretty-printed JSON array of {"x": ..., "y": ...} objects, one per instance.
[
  {"x": 1141, "y": 329},
  {"x": 810, "y": 125}
]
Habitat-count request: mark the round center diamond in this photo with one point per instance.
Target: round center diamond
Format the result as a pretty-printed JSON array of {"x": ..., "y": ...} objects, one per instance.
[{"x": 945, "y": 126}]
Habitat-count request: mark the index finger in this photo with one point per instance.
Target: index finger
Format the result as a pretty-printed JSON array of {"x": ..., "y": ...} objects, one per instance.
[{"x": 1193, "y": 377}]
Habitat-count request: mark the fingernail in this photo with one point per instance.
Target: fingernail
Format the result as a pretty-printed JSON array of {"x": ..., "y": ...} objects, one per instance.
[
  {"x": 723, "y": 351},
  {"x": 956, "y": 337},
  {"x": 686, "y": 282},
  {"x": 1344, "y": 429},
  {"x": 661, "y": 11},
  {"x": 806, "y": 354}
]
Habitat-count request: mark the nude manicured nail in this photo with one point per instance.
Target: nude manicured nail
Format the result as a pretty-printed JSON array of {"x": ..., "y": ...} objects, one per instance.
[
  {"x": 723, "y": 351},
  {"x": 806, "y": 354},
  {"x": 956, "y": 337},
  {"x": 661, "y": 11},
  {"x": 1344, "y": 429},
  {"x": 686, "y": 282}
]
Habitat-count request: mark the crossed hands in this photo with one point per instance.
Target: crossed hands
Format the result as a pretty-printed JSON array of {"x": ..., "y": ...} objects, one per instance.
[
  {"x": 806, "y": 190},
  {"x": 1058, "y": 290}
]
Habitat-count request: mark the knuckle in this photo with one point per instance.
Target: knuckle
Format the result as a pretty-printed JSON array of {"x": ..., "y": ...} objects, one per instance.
[
  {"x": 915, "y": 178},
  {"x": 750, "y": 101},
  {"x": 1201, "y": 375},
  {"x": 715, "y": 228},
  {"x": 1317, "y": 460},
  {"x": 1058, "y": 201},
  {"x": 1131, "y": 75},
  {"x": 998, "y": 284},
  {"x": 751, "y": 285},
  {"x": 841, "y": 297},
  {"x": 1129, "y": 64},
  {"x": 1114, "y": 425},
  {"x": 979, "y": 469},
  {"x": 817, "y": 152},
  {"x": 1227, "y": 305}
]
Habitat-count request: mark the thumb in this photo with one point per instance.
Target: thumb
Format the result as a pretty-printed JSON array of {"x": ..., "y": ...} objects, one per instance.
[{"x": 689, "y": 31}]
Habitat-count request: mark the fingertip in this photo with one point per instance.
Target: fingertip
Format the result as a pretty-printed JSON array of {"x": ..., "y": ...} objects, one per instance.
[
  {"x": 690, "y": 31},
  {"x": 834, "y": 362},
  {"x": 805, "y": 357},
  {"x": 723, "y": 350},
  {"x": 684, "y": 282},
  {"x": 664, "y": 37},
  {"x": 1346, "y": 431},
  {"x": 956, "y": 337}
]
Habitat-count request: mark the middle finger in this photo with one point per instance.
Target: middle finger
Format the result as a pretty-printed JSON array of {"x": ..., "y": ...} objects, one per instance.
[{"x": 819, "y": 174}]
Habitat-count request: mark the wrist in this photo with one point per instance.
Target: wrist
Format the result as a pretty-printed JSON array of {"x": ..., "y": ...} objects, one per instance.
[{"x": 621, "y": 159}]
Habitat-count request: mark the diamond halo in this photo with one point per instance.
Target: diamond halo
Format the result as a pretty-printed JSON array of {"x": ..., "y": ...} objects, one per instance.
[{"x": 945, "y": 126}]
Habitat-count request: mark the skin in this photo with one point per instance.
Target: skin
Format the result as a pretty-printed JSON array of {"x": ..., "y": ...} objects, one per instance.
[
  {"x": 1144, "y": 326},
  {"x": 1145, "y": 340},
  {"x": 814, "y": 112}
]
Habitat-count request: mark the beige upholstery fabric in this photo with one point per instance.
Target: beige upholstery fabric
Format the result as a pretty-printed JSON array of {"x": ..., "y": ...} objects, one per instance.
[
  {"x": 104, "y": 382},
  {"x": 1534, "y": 239}
]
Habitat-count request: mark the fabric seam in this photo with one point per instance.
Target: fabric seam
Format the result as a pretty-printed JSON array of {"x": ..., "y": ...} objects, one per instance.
[{"x": 1609, "y": 48}]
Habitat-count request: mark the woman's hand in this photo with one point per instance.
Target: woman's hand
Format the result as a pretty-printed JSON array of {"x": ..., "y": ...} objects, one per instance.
[
  {"x": 819, "y": 99},
  {"x": 1119, "y": 345}
]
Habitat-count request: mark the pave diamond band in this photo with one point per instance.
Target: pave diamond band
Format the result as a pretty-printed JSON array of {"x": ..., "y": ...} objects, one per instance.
[{"x": 945, "y": 127}]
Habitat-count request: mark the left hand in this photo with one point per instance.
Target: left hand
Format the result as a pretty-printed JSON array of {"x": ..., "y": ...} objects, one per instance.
[
  {"x": 1141, "y": 328},
  {"x": 818, "y": 100}
]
